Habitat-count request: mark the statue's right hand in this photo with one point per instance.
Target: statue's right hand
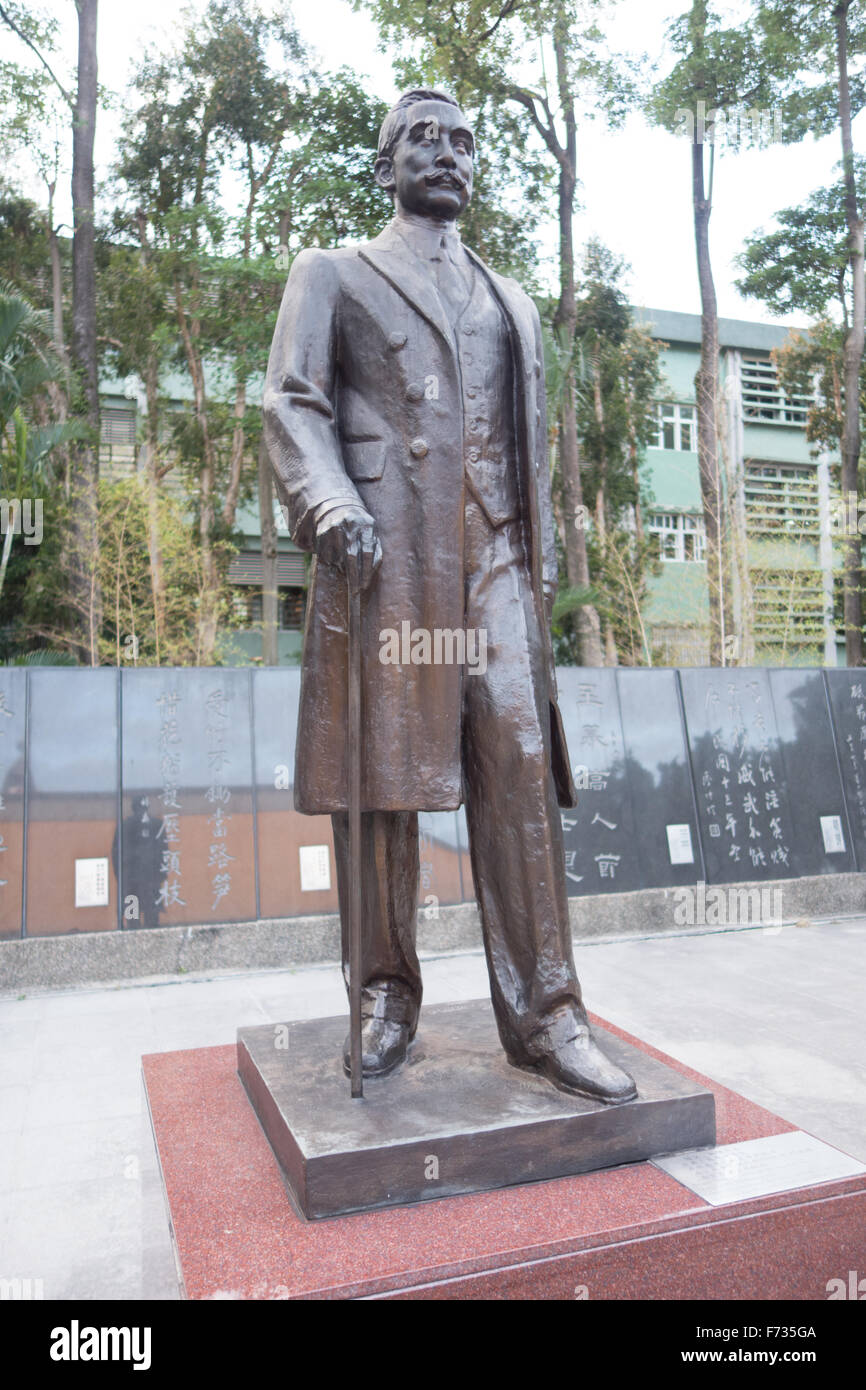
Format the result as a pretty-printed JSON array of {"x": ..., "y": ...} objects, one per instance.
[{"x": 346, "y": 538}]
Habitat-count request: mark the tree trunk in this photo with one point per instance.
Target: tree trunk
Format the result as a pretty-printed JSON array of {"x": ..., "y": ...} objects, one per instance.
[
  {"x": 853, "y": 353},
  {"x": 230, "y": 505},
  {"x": 151, "y": 446},
  {"x": 56, "y": 277},
  {"x": 634, "y": 460},
  {"x": 270, "y": 631},
  {"x": 154, "y": 550},
  {"x": 565, "y": 321},
  {"x": 576, "y": 514},
  {"x": 8, "y": 539},
  {"x": 58, "y": 394},
  {"x": 208, "y": 615},
  {"x": 83, "y": 541},
  {"x": 601, "y": 493},
  {"x": 706, "y": 384}
]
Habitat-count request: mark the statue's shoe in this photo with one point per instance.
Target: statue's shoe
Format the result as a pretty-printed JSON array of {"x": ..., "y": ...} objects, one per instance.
[
  {"x": 574, "y": 1062},
  {"x": 384, "y": 1045}
]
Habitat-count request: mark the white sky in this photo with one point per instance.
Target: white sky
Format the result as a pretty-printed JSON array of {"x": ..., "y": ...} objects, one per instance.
[{"x": 635, "y": 190}]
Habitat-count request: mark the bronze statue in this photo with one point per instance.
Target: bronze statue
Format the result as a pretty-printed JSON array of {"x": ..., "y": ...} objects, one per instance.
[{"x": 405, "y": 420}]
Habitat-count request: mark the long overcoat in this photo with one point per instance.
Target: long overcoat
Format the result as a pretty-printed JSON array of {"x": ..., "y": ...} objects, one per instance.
[{"x": 363, "y": 403}]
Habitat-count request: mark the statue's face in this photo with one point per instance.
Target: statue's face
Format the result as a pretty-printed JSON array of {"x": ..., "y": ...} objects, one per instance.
[{"x": 430, "y": 172}]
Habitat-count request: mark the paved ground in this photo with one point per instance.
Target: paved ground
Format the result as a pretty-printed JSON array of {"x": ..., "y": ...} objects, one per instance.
[{"x": 776, "y": 1013}]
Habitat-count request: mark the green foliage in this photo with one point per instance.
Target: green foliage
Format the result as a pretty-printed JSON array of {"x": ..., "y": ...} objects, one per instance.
[
  {"x": 618, "y": 380},
  {"x": 720, "y": 73},
  {"x": 129, "y": 632},
  {"x": 29, "y": 436},
  {"x": 40, "y": 616},
  {"x": 25, "y": 351},
  {"x": 799, "y": 39},
  {"x": 23, "y": 250},
  {"x": 43, "y": 657},
  {"x": 816, "y": 357},
  {"x": 804, "y": 266}
]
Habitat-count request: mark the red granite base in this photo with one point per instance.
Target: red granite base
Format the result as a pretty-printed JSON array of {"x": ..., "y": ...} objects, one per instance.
[{"x": 624, "y": 1233}]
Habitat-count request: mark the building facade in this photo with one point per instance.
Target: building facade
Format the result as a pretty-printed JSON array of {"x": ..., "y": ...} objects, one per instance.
[{"x": 779, "y": 496}]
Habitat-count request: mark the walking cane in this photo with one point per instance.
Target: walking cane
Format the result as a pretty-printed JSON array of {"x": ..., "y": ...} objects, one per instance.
[{"x": 354, "y": 751}]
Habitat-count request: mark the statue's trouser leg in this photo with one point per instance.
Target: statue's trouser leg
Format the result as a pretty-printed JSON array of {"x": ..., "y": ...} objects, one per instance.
[
  {"x": 515, "y": 830},
  {"x": 391, "y": 979}
]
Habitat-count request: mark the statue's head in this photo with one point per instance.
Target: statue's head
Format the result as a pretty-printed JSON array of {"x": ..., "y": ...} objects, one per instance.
[{"x": 425, "y": 155}]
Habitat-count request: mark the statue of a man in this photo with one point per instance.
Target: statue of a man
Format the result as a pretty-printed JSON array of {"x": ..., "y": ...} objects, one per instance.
[{"x": 405, "y": 420}]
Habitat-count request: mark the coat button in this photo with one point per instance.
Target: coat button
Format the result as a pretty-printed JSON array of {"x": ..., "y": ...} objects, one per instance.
[
  {"x": 415, "y": 391},
  {"x": 396, "y": 341},
  {"x": 473, "y": 455},
  {"x": 418, "y": 448}
]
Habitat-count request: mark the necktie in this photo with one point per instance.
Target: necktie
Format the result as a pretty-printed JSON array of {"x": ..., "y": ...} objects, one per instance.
[{"x": 450, "y": 280}]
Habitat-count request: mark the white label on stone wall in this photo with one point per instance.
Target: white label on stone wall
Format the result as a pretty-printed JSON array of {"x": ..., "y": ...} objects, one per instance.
[
  {"x": 315, "y": 868},
  {"x": 834, "y": 837},
  {"x": 680, "y": 844},
  {"x": 91, "y": 883}
]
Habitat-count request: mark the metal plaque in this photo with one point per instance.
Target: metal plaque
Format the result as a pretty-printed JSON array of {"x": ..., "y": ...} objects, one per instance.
[{"x": 758, "y": 1167}]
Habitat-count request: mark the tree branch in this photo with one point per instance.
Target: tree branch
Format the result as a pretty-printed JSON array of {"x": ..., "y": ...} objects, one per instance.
[
  {"x": 10, "y": 23},
  {"x": 508, "y": 8},
  {"x": 547, "y": 132}
]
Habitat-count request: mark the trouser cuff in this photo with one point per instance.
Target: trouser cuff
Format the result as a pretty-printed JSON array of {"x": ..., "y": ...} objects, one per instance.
[
  {"x": 556, "y": 1029},
  {"x": 386, "y": 1000}
]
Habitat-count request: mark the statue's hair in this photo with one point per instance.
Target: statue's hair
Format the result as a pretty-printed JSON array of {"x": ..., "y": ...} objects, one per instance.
[{"x": 395, "y": 122}]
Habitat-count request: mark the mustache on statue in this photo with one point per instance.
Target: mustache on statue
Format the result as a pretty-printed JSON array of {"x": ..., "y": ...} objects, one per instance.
[{"x": 446, "y": 176}]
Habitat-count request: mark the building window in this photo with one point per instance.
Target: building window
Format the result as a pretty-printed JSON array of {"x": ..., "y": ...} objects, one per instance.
[
  {"x": 763, "y": 398},
  {"x": 681, "y": 535},
  {"x": 117, "y": 441},
  {"x": 677, "y": 427},
  {"x": 291, "y": 607},
  {"x": 781, "y": 497},
  {"x": 117, "y": 427}
]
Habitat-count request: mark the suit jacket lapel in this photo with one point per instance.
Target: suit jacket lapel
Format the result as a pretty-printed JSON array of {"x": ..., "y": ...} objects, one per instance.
[
  {"x": 392, "y": 258},
  {"x": 515, "y": 311}
]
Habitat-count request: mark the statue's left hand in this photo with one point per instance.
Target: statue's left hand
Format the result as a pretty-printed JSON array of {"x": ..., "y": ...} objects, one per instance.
[{"x": 346, "y": 538}]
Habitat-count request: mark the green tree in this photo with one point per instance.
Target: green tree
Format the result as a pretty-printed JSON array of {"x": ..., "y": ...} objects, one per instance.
[
  {"x": 823, "y": 50},
  {"x": 32, "y": 114},
  {"x": 720, "y": 91},
  {"x": 804, "y": 265},
  {"x": 138, "y": 328},
  {"x": 135, "y": 632},
  {"x": 215, "y": 103},
  {"x": 235, "y": 106},
  {"x": 618, "y": 377},
  {"x": 38, "y": 36},
  {"x": 29, "y": 437}
]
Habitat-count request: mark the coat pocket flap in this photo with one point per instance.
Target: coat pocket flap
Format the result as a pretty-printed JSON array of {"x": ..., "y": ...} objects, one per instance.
[{"x": 364, "y": 459}]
